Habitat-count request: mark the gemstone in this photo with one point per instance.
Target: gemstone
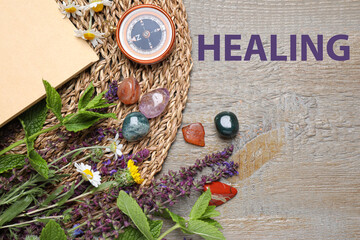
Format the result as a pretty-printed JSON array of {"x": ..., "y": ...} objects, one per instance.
[
  {"x": 220, "y": 193},
  {"x": 129, "y": 91},
  {"x": 135, "y": 126},
  {"x": 194, "y": 134},
  {"x": 227, "y": 124},
  {"x": 153, "y": 103}
]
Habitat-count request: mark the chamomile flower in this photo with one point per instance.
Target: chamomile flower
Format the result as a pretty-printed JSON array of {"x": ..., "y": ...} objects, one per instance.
[
  {"x": 98, "y": 5},
  {"x": 115, "y": 147},
  {"x": 93, "y": 36},
  {"x": 89, "y": 175},
  {"x": 70, "y": 9}
]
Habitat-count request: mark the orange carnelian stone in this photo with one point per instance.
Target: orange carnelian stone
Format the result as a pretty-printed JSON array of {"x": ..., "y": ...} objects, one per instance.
[
  {"x": 194, "y": 134},
  {"x": 129, "y": 91}
]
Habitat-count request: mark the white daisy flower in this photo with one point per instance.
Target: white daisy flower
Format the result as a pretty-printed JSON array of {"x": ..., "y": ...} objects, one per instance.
[
  {"x": 89, "y": 175},
  {"x": 93, "y": 36},
  {"x": 98, "y": 5},
  {"x": 115, "y": 147},
  {"x": 70, "y": 9}
]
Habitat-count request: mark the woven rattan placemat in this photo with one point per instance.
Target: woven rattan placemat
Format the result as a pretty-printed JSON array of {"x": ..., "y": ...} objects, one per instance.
[{"x": 172, "y": 73}]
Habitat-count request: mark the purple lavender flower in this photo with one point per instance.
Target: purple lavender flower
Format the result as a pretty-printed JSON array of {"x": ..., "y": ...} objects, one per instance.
[{"x": 111, "y": 94}]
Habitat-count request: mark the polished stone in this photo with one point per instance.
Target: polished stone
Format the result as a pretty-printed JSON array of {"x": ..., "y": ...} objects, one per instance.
[
  {"x": 153, "y": 103},
  {"x": 220, "y": 193},
  {"x": 135, "y": 126},
  {"x": 194, "y": 134},
  {"x": 129, "y": 91},
  {"x": 227, "y": 124}
]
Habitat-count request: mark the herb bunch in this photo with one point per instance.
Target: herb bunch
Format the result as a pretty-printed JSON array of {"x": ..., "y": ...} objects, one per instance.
[{"x": 34, "y": 119}]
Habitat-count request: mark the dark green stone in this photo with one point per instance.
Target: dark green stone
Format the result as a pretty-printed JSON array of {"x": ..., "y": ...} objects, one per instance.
[
  {"x": 135, "y": 126},
  {"x": 227, "y": 124}
]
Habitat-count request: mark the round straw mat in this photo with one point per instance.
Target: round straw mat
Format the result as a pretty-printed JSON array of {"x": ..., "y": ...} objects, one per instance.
[{"x": 173, "y": 73}]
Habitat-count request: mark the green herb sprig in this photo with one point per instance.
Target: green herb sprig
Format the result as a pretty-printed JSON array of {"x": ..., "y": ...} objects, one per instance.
[
  {"x": 200, "y": 221},
  {"x": 34, "y": 118}
]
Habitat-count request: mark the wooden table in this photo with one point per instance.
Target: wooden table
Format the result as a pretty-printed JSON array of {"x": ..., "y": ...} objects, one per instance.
[{"x": 299, "y": 139}]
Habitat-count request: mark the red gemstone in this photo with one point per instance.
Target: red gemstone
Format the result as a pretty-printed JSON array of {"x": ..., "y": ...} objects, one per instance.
[
  {"x": 220, "y": 193},
  {"x": 194, "y": 134},
  {"x": 129, "y": 91}
]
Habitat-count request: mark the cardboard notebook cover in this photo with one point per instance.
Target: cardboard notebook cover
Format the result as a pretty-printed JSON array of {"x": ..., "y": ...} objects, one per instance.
[{"x": 36, "y": 43}]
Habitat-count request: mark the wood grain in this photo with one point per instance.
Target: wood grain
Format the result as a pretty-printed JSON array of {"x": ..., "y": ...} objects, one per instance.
[{"x": 299, "y": 139}]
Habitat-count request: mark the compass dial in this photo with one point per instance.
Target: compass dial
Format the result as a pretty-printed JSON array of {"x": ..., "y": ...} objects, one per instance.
[{"x": 146, "y": 34}]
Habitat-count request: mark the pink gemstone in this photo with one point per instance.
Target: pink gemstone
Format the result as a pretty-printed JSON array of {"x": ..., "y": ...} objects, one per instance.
[{"x": 153, "y": 103}]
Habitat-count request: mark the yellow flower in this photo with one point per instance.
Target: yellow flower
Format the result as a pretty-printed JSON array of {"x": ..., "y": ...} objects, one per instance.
[{"x": 134, "y": 172}]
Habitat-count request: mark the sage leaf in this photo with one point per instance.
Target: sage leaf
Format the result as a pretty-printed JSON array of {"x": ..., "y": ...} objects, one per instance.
[
  {"x": 205, "y": 230},
  {"x": 104, "y": 186},
  {"x": 131, "y": 233},
  {"x": 210, "y": 212},
  {"x": 38, "y": 163},
  {"x": 52, "y": 231},
  {"x": 53, "y": 195},
  {"x": 200, "y": 205},
  {"x": 155, "y": 227},
  {"x": 15, "y": 209},
  {"x": 86, "y": 96},
  {"x": 85, "y": 119},
  {"x": 130, "y": 207},
  {"x": 67, "y": 195},
  {"x": 11, "y": 161},
  {"x": 34, "y": 118},
  {"x": 53, "y": 100}
]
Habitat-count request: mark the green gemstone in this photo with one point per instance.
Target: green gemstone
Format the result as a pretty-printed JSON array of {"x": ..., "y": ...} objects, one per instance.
[
  {"x": 135, "y": 126},
  {"x": 227, "y": 124}
]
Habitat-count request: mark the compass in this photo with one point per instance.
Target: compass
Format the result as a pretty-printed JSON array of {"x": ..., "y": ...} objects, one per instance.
[{"x": 145, "y": 34}]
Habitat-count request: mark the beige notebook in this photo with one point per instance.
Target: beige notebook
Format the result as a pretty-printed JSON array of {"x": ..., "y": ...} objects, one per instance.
[{"x": 36, "y": 43}]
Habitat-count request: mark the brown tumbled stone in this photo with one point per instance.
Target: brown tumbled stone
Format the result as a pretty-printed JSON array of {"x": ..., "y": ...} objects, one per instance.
[{"x": 129, "y": 91}]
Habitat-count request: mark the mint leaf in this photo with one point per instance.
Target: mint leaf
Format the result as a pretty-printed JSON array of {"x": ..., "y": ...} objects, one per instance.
[
  {"x": 86, "y": 96},
  {"x": 33, "y": 119},
  {"x": 176, "y": 218},
  {"x": 85, "y": 119},
  {"x": 53, "y": 100},
  {"x": 96, "y": 101},
  {"x": 11, "y": 161},
  {"x": 200, "y": 205},
  {"x": 155, "y": 227},
  {"x": 131, "y": 233},
  {"x": 52, "y": 231},
  {"x": 15, "y": 209},
  {"x": 210, "y": 212},
  {"x": 105, "y": 105},
  {"x": 205, "y": 230},
  {"x": 213, "y": 222},
  {"x": 130, "y": 207},
  {"x": 38, "y": 163}
]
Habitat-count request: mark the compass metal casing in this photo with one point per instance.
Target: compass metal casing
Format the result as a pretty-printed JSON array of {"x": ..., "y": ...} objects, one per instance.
[{"x": 145, "y": 34}]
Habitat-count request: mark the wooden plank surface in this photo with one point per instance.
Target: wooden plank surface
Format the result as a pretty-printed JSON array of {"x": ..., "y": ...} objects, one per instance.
[{"x": 299, "y": 140}]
